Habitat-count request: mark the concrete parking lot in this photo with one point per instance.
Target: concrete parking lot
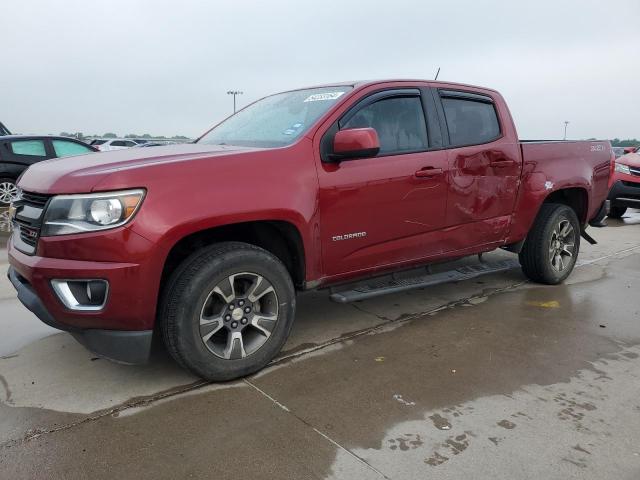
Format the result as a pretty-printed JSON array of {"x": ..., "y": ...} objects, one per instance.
[{"x": 494, "y": 377}]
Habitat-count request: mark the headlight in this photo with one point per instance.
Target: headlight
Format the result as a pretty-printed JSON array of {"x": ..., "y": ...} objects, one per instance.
[
  {"x": 623, "y": 168},
  {"x": 68, "y": 214}
]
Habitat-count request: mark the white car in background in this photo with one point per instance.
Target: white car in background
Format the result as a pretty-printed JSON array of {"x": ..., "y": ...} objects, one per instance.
[{"x": 107, "y": 144}]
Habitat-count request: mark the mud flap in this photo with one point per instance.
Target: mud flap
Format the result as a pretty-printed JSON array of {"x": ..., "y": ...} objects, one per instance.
[{"x": 587, "y": 237}]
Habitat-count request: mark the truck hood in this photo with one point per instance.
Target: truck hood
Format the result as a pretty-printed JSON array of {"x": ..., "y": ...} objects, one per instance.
[
  {"x": 630, "y": 159},
  {"x": 83, "y": 172}
]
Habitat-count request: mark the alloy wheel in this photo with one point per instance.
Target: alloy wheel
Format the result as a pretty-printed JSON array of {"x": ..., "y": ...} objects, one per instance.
[
  {"x": 8, "y": 192},
  {"x": 562, "y": 245},
  {"x": 238, "y": 316}
]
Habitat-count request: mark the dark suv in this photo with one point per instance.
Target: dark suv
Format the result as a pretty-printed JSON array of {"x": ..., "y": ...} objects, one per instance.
[{"x": 18, "y": 152}]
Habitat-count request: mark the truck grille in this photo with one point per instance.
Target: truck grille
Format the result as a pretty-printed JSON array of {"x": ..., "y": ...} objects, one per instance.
[
  {"x": 28, "y": 235},
  {"x": 635, "y": 171},
  {"x": 35, "y": 199},
  {"x": 28, "y": 220}
]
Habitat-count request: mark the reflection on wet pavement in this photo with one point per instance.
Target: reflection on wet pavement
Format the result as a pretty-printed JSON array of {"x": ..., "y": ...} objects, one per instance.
[{"x": 520, "y": 384}]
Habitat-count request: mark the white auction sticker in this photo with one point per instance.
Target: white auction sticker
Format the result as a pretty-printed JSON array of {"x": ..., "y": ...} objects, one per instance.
[{"x": 323, "y": 96}]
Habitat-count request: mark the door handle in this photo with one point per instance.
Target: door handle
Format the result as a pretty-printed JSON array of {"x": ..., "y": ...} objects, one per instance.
[
  {"x": 427, "y": 172},
  {"x": 502, "y": 163}
]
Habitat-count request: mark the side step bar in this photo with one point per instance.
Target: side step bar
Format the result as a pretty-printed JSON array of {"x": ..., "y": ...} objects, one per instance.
[{"x": 395, "y": 285}]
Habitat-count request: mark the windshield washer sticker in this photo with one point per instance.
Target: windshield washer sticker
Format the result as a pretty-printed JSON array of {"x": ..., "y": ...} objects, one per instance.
[{"x": 323, "y": 96}]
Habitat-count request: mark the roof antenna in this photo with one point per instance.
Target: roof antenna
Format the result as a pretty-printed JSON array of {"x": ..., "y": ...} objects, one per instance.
[{"x": 437, "y": 73}]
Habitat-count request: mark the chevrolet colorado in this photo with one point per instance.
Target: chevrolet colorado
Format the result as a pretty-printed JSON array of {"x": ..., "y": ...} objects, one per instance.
[
  {"x": 625, "y": 191},
  {"x": 206, "y": 244}
]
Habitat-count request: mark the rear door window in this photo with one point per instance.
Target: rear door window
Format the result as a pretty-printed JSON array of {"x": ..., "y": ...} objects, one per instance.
[
  {"x": 32, "y": 148},
  {"x": 399, "y": 122},
  {"x": 64, "y": 148},
  {"x": 470, "y": 122}
]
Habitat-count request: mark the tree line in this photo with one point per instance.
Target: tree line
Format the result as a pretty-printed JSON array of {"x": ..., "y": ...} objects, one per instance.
[
  {"x": 630, "y": 142},
  {"x": 80, "y": 136}
]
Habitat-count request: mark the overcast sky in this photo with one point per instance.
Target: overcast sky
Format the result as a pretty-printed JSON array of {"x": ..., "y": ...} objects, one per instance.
[{"x": 164, "y": 67}]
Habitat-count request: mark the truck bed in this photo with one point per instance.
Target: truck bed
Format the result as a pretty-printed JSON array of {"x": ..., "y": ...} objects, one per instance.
[{"x": 583, "y": 166}]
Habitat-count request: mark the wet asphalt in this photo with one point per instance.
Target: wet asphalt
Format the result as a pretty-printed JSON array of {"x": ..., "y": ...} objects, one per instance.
[{"x": 494, "y": 377}]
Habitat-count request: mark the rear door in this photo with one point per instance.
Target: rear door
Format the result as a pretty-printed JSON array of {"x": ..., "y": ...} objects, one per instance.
[
  {"x": 388, "y": 209},
  {"x": 484, "y": 169}
]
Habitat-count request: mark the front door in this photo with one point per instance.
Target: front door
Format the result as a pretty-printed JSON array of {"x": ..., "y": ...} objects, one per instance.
[{"x": 389, "y": 209}]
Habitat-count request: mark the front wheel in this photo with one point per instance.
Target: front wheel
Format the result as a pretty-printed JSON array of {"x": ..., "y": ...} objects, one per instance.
[
  {"x": 551, "y": 248},
  {"x": 227, "y": 310}
]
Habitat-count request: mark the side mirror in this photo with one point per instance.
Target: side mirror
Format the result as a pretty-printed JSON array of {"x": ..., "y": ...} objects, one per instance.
[{"x": 355, "y": 143}]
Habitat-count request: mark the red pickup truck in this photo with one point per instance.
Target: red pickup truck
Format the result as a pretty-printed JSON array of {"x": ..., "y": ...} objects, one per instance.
[
  {"x": 206, "y": 244},
  {"x": 625, "y": 190}
]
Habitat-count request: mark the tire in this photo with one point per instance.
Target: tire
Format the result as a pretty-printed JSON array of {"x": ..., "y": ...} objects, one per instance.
[
  {"x": 204, "y": 321},
  {"x": 617, "y": 212},
  {"x": 556, "y": 228},
  {"x": 8, "y": 191}
]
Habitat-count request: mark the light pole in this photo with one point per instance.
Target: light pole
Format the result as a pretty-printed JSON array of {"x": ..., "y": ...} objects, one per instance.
[
  {"x": 234, "y": 93},
  {"x": 566, "y": 122}
]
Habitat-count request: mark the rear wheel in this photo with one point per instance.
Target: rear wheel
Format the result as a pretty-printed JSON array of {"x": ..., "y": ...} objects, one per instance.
[
  {"x": 227, "y": 310},
  {"x": 8, "y": 191},
  {"x": 617, "y": 212},
  {"x": 551, "y": 248}
]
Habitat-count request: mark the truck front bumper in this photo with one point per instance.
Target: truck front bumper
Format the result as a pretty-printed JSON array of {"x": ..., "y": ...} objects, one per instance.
[
  {"x": 625, "y": 194},
  {"x": 131, "y": 347}
]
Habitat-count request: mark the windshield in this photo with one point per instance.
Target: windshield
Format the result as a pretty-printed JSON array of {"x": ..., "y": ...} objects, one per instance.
[{"x": 275, "y": 121}]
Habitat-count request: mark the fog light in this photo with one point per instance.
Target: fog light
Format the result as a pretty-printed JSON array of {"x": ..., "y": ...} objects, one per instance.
[{"x": 84, "y": 295}]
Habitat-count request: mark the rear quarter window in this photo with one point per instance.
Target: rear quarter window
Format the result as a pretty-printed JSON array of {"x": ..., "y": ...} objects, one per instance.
[{"x": 470, "y": 122}]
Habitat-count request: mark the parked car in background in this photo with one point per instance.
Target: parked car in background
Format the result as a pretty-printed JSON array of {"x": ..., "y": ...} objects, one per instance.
[
  {"x": 618, "y": 151},
  {"x": 18, "y": 152},
  {"x": 207, "y": 243},
  {"x": 4, "y": 130},
  {"x": 156, "y": 144},
  {"x": 108, "y": 144},
  {"x": 625, "y": 191}
]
